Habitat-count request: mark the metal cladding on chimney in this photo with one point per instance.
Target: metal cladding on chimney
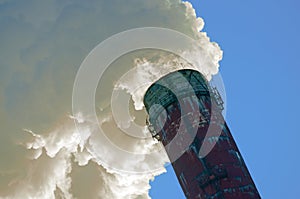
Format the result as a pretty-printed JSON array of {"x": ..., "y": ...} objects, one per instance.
[{"x": 185, "y": 114}]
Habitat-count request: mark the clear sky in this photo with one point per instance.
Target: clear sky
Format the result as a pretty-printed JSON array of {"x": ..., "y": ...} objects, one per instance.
[{"x": 260, "y": 70}]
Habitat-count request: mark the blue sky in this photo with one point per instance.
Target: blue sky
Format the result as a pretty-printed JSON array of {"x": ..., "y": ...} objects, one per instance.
[{"x": 260, "y": 70}]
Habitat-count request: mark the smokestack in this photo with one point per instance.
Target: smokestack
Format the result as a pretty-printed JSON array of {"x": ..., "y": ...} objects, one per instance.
[{"x": 185, "y": 114}]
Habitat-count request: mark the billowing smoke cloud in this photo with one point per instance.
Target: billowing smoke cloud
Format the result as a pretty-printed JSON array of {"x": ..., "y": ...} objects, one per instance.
[{"x": 42, "y": 46}]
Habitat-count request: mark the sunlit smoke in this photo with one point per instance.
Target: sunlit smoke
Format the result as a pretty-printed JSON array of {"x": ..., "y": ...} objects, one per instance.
[{"x": 59, "y": 155}]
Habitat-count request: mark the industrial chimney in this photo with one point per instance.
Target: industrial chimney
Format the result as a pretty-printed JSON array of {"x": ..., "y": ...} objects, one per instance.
[{"x": 185, "y": 114}]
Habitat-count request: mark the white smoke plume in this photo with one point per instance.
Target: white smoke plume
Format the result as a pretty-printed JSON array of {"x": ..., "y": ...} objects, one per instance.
[
  {"x": 52, "y": 155},
  {"x": 42, "y": 46}
]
